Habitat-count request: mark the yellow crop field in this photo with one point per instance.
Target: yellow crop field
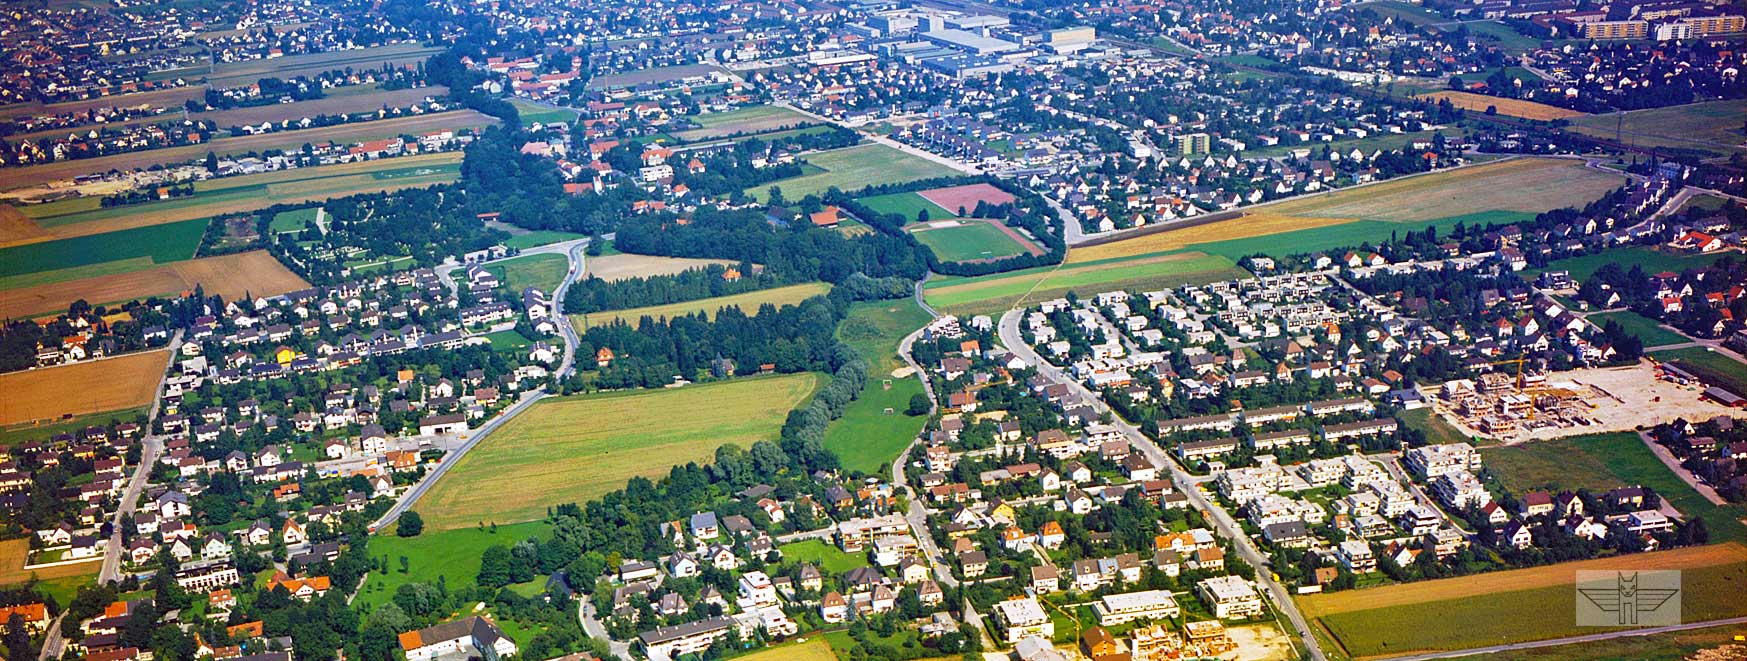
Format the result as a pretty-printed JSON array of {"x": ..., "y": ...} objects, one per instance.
[
  {"x": 1512, "y": 107},
  {"x": 747, "y": 302},
  {"x": 93, "y": 386}
]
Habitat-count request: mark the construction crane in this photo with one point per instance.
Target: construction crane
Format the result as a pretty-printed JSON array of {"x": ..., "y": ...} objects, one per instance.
[{"x": 1519, "y": 369}]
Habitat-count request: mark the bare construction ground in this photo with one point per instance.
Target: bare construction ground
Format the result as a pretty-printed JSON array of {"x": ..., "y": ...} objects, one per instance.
[{"x": 1619, "y": 399}]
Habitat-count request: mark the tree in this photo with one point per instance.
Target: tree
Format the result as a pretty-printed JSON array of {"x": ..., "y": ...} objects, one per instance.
[
  {"x": 919, "y": 405},
  {"x": 411, "y": 524},
  {"x": 596, "y": 245}
]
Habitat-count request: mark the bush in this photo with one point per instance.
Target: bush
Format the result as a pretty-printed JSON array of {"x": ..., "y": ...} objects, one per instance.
[
  {"x": 411, "y": 524},
  {"x": 918, "y": 404}
]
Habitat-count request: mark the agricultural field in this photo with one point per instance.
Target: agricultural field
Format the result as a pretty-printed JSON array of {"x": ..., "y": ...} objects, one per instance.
[
  {"x": 1713, "y": 127},
  {"x": 1709, "y": 364},
  {"x": 991, "y": 294},
  {"x": 1650, "y": 259},
  {"x": 94, "y": 386},
  {"x": 164, "y": 98},
  {"x": 1653, "y": 334},
  {"x": 1667, "y": 646},
  {"x": 37, "y": 175},
  {"x": 542, "y": 272},
  {"x": 534, "y": 113},
  {"x": 61, "y": 581},
  {"x": 18, "y": 433},
  {"x": 1512, "y": 606},
  {"x": 84, "y": 216},
  {"x": 160, "y": 243},
  {"x": 621, "y": 266},
  {"x": 1511, "y": 107},
  {"x": 232, "y": 276},
  {"x": 572, "y": 449},
  {"x": 748, "y": 302},
  {"x": 1503, "y": 191},
  {"x": 909, "y": 205},
  {"x": 231, "y": 74},
  {"x": 854, "y": 168},
  {"x": 970, "y": 240},
  {"x": 338, "y": 102},
  {"x": 867, "y": 438},
  {"x": 753, "y": 119},
  {"x": 1603, "y": 461}
]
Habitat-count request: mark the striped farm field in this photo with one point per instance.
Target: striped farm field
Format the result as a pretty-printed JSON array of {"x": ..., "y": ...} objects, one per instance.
[
  {"x": 233, "y": 276},
  {"x": 572, "y": 449},
  {"x": 1512, "y": 107},
  {"x": 93, "y": 386},
  {"x": 747, "y": 302},
  {"x": 993, "y": 293},
  {"x": 230, "y": 74}
]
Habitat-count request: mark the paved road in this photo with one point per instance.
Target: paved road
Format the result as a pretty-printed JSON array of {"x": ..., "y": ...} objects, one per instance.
[
  {"x": 1668, "y": 459},
  {"x": 1591, "y": 638},
  {"x": 1228, "y": 528},
  {"x": 592, "y": 626}
]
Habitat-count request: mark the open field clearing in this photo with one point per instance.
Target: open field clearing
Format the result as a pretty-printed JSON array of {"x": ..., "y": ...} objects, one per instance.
[
  {"x": 80, "y": 217},
  {"x": 823, "y": 555},
  {"x": 163, "y": 244},
  {"x": 966, "y": 240},
  {"x": 1512, "y": 107},
  {"x": 1710, "y": 365},
  {"x": 1513, "y": 606},
  {"x": 908, "y": 205},
  {"x": 1644, "y": 328},
  {"x": 875, "y": 428},
  {"x": 93, "y": 386},
  {"x": 1599, "y": 462},
  {"x": 335, "y": 104},
  {"x": 572, "y": 449},
  {"x": 232, "y": 276},
  {"x": 854, "y": 168},
  {"x": 173, "y": 97},
  {"x": 624, "y": 265},
  {"x": 993, "y": 293},
  {"x": 748, "y": 302},
  {"x": 1505, "y": 191},
  {"x": 534, "y": 113},
  {"x": 450, "y": 554},
  {"x": 1714, "y": 126},
  {"x": 37, "y": 175},
  {"x": 230, "y": 74},
  {"x": 754, "y": 119},
  {"x": 542, "y": 272},
  {"x": 966, "y": 197},
  {"x": 1670, "y": 646}
]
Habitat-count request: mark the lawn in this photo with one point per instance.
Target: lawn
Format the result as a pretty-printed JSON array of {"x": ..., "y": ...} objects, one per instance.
[
  {"x": 1653, "y": 334},
  {"x": 966, "y": 241},
  {"x": 748, "y": 302},
  {"x": 542, "y": 272},
  {"x": 1731, "y": 373},
  {"x": 907, "y": 205},
  {"x": 534, "y": 113},
  {"x": 991, "y": 294},
  {"x": 1713, "y": 126},
  {"x": 450, "y": 554},
  {"x": 867, "y": 438},
  {"x": 508, "y": 340},
  {"x": 821, "y": 554},
  {"x": 812, "y": 650},
  {"x": 539, "y": 238},
  {"x": 572, "y": 449},
  {"x": 295, "y": 220},
  {"x": 162, "y": 243},
  {"x": 1599, "y": 462},
  {"x": 1650, "y": 259},
  {"x": 855, "y": 168}
]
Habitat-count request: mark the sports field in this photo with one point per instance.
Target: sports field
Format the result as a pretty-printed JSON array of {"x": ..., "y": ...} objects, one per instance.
[
  {"x": 747, "y": 302},
  {"x": 1713, "y": 126},
  {"x": 968, "y": 240},
  {"x": 84, "y": 216},
  {"x": 94, "y": 386},
  {"x": 232, "y": 276},
  {"x": 534, "y": 113},
  {"x": 1599, "y": 462},
  {"x": 230, "y": 74},
  {"x": 991, "y": 294},
  {"x": 966, "y": 196},
  {"x": 621, "y": 266},
  {"x": 867, "y": 438},
  {"x": 854, "y": 168},
  {"x": 1512, "y": 107},
  {"x": 1652, "y": 333},
  {"x": 543, "y": 272},
  {"x": 1512, "y": 606},
  {"x": 36, "y": 175},
  {"x": 753, "y": 119},
  {"x": 1503, "y": 191},
  {"x": 908, "y": 205},
  {"x": 572, "y": 449}
]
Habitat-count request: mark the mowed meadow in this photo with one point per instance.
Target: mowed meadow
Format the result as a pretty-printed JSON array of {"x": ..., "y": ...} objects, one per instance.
[{"x": 573, "y": 449}]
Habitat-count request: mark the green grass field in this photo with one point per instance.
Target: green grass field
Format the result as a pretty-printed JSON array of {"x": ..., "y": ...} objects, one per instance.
[
  {"x": 854, "y": 168},
  {"x": 749, "y": 120},
  {"x": 161, "y": 243},
  {"x": 1437, "y": 431},
  {"x": 968, "y": 241},
  {"x": 1711, "y": 365},
  {"x": 867, "y": 438},
  {"x": 572, "y": 449},
  {"x": 292, "y": 221},
  {"x": 508, "y": 340},
  {"x": 1644, "y": 328},
  {"x": 1713, "y": 127},
  {"x": 990, "y": 294},
  {"x": 1650, "y": 259},
  {"x": 534, "y": 113},
  {"x": 539, "y": 238},
  {"x": 543, "y": 272},
  {"x": 1670, "y": 646},
  {"x": 1599, "y": 462},
  {"x": 450, "y": 554},
  {"x": 821, "y": 554},
  {"x": 1401, "y": 11},
  {"x": 907, "y": 205},
  {"x": 16, "y": 434},
  {"x": 748, "y": 302}
]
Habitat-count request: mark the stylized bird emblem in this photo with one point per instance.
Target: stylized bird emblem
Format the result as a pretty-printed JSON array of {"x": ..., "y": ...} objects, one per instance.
[{"x": 1626, "y": 599}]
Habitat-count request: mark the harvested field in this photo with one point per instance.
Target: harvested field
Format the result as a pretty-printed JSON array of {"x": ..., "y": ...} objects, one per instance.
[
  {"x": 232, "y": 276},
  {"x": 16, "y": 227},
  {"x": 230, "y": 74},
  {"x": 37, "y": 175},
  {"x": 572, "y": 449},
  {"x": 89, "y": 387},
  {"x": 1512, "y": 107},
  {"x": 953, "y": 198},
  {"x": 624, "y": 266},
  {"x": 12, "y": 572},
  {"x": 755, "y": 119},
  {"x": 993, "y": 293},
  {"x": 748, "y": 302}
]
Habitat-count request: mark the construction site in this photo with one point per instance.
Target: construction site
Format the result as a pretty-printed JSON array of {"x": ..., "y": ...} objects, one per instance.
[{"x": 1515, "y": 404}]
